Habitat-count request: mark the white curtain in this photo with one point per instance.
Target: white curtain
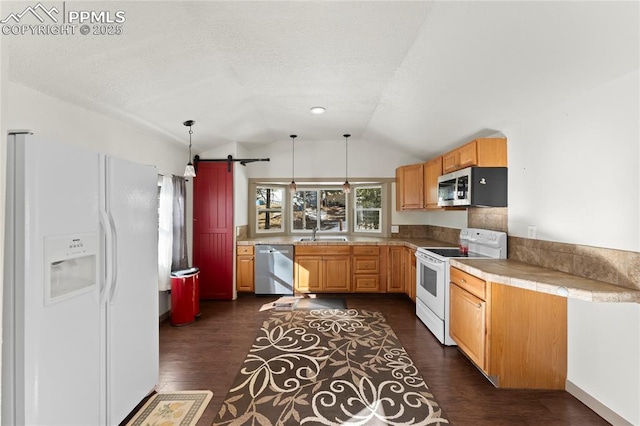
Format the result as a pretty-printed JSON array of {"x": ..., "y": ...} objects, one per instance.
[
  {"x": 180, "y": 255},
  {"x": 165, "y": 234}
]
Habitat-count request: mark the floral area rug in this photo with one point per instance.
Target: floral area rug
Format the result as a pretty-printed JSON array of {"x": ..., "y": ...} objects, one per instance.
[
  {"x": 328, "y": 367},
  {"x": 182, "y": 408}
]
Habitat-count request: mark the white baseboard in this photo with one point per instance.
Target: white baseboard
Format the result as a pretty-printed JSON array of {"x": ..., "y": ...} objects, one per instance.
[{"x": 602, "y": 410}]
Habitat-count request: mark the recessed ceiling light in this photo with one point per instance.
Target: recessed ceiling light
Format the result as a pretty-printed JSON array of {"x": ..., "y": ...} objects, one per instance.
[{"x": 318, "y": 110}]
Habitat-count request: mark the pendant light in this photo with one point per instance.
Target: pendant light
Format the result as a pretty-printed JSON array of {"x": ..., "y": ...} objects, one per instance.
[
  {"x": 189, "y": 171},
  {"x": 292, "y": 186},
  {"x": 346, "y": 186}
]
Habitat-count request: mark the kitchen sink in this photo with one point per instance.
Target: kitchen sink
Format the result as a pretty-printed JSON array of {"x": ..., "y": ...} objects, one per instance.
[{"x": 324, "y": 239}]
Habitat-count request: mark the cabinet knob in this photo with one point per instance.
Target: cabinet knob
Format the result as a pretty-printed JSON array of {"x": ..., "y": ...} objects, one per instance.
[{"x": 462, "y": 280}]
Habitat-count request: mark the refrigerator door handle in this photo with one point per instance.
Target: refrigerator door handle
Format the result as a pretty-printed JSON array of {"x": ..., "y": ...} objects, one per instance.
[
  {"x": 114, "y": 263},
  {"x": 105, "y": 224}
]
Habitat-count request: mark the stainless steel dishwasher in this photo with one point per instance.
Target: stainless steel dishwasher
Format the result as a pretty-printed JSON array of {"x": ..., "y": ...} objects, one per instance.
[{"x": 274, "y": 269}]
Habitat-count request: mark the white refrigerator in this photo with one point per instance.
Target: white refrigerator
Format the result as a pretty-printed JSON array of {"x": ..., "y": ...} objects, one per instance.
[{"x": 80, "y": 305}]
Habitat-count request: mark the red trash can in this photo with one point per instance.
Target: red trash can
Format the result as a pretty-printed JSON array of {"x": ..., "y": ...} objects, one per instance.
[{"x": 185, "y": 295}]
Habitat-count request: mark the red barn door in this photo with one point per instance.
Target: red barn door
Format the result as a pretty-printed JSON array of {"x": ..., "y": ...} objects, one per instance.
[{"x": 213, "y": 229}]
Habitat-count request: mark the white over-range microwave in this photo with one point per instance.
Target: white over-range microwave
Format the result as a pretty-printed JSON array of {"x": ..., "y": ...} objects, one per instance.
[{"x": 474, "y": 186}]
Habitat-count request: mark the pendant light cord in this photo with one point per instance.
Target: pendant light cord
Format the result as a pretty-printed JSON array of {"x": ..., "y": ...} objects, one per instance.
[{"x": 346, "y": 157}]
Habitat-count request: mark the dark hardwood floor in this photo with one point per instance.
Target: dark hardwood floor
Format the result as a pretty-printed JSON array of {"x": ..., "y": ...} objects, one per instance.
[{"x": 208, "y": 354}]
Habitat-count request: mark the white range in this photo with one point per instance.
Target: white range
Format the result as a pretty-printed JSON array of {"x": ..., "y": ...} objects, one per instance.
[{"x": 432, "y": 275}]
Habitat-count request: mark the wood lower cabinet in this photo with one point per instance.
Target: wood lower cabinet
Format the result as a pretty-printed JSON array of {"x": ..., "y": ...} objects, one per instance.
[
  {"x": 467, "y": 315},
  {"x": 396, "y": 270},
  {"x": 245, "y": 276},
  {"x": 323, "y": 269},
  {"x": 409, "y": 266},
  {"x": 366, "y": 269},
  {"x": 517, "y": 337}
]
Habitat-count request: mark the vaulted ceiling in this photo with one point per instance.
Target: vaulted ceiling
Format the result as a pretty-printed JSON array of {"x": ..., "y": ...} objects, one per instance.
[{"x": 422, "y": 76}]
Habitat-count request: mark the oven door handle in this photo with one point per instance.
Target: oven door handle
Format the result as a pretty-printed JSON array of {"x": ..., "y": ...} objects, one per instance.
[{"x": 437, "y": 264}]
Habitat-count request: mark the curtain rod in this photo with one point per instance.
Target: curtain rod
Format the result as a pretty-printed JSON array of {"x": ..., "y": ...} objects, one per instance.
[{"x": 228, "y": 160}]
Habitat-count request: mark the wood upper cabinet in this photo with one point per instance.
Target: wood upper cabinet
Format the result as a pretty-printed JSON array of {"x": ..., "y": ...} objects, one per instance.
[
  {"x": 517, "y": 337},
  {"x": 486, "y": 152},
  {"x": 410, "y": 187},
  {"x": 323, "y": 269},
  {"x": 245, "y": 277},
  {"x": 432, "y": 171}
]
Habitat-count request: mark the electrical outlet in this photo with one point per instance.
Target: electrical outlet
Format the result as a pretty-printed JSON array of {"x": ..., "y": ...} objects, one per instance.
[
  {"x": 395, "y": 229},
  {"x": 532, "y": 232}
]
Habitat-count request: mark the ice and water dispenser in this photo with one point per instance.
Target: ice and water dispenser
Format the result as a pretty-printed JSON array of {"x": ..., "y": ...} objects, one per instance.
[{"x": 70, "y": 265}]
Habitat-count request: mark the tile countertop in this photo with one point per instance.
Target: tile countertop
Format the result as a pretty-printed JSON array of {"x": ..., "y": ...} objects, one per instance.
[
  {"x": 412, "y": 243},
  {"x": 530, "y": 277}
]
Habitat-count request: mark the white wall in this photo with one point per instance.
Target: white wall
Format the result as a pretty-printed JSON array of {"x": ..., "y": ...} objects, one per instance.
[
  {"x": 61, "y": 121},
  {"x": 574, "y": 169},
  {"x": 604, "y": 358},
  {"x": 327, "y": 159}
]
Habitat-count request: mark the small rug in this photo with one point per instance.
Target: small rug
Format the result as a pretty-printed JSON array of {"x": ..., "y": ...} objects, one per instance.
[
  {"x": 329, "y": 367},
  {"x": 290, "y": 303},
  {"x": 182, "y": 408}
]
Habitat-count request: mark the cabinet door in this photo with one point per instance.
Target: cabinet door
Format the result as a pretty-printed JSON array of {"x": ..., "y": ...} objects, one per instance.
[
  {"x": 395, "y": 280},
  {"x": 467, "y": 324},
  {"x": 336, "y": 273},
  {"x": 308, "y": 273},
  {"x": 411, "y": 187},
  {"x": 410, "y": 273},
  {"x": 450, "y": 162},
  {"x": 245, "y": 273},
  {"x": 467, "y": 155},
  {"x": 432, "y": 170}
]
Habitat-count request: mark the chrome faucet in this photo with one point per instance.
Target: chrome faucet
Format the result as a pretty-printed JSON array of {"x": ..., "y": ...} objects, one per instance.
[{"x": 313, "y": 233}]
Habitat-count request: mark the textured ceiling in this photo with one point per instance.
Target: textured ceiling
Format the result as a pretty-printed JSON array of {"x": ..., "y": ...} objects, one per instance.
[{"x": 421, "y": 76}]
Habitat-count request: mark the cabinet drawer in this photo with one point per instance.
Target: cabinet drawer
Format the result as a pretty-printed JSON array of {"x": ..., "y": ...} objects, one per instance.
[
  {"x": 366, "y": 283},
  {"x": 244, "y": 250},
  {"x": 470, "y": 283},
  {"x": 313, "y": 250},
  {"x": 366, "y": 265},
  {"x": 366, "y": 250}
]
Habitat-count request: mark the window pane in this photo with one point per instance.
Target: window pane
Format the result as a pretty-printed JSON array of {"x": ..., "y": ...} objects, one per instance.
[
  {"x": 305, "y": 210},
  {"x": 368, "y": 209},
  {"x": 368, "y": 198},
  {"x": 333, "y": 210},
  {"x": 269, "y": 220},
  {"x": 269, "y": 198},
  {"x": 367, "y": 220}
]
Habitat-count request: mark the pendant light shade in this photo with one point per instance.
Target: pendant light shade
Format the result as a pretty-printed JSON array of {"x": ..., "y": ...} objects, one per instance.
[
  {"x": 189, "y": 171},
  {"x": 346, "y": 186},
  {"x": 292, "y": 186}
]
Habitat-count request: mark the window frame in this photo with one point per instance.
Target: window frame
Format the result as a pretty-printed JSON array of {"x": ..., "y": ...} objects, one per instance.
[
  {"x": 282, "y": 210},
  {"x": 313, "y": 183},
  {"x": 319, "y": 189},
  {"x": 378, "y": 231}
]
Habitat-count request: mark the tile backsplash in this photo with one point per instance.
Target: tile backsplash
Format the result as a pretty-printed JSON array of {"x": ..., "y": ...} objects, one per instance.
[
  {"x": 493, "y": 218},
  {"x": 440, "y": 233},
  {"x": 618, "y": 267}
]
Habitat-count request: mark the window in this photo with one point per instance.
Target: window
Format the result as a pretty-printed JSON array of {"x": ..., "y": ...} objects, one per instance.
[
  {"x": 324, "y": 208},
  {"x": 368, "y": 209},
  {"x": 269, "y": 209}
]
